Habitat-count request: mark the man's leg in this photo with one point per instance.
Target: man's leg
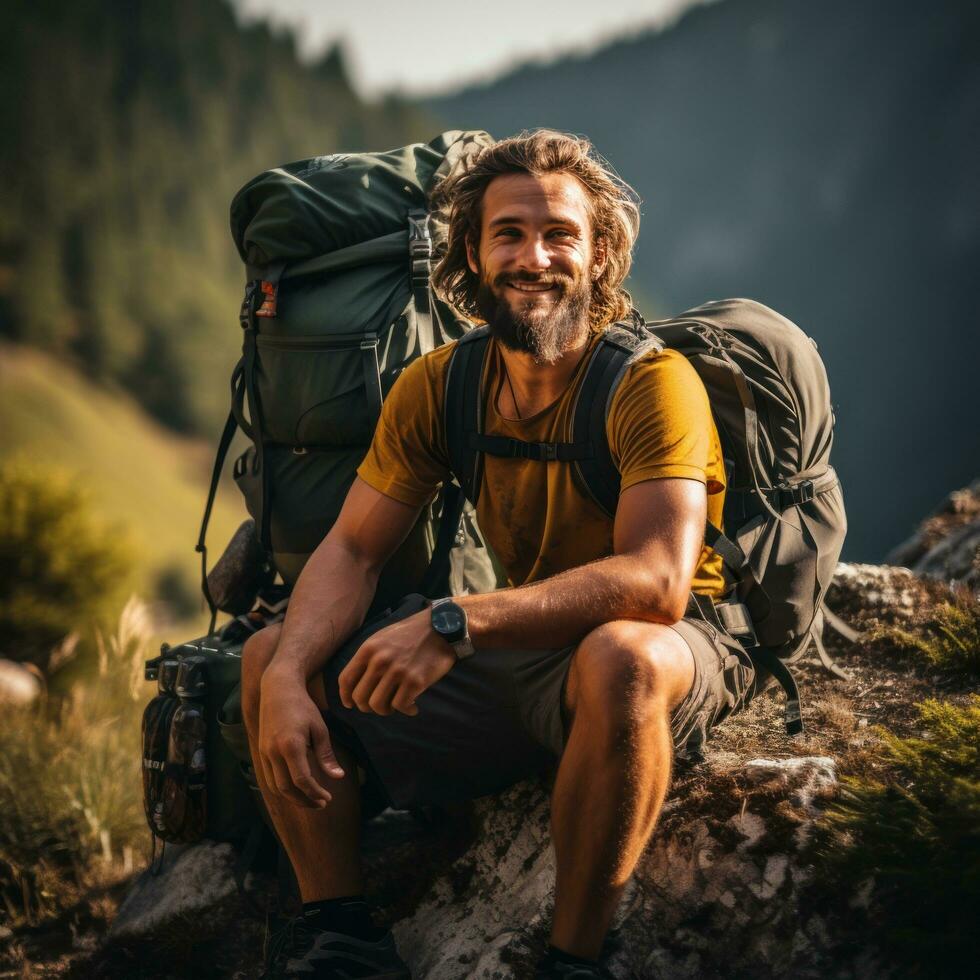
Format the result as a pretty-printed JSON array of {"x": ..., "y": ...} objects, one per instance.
[
  {"x": 323, "y": 845},
  {"x": 623, "y": 682}
]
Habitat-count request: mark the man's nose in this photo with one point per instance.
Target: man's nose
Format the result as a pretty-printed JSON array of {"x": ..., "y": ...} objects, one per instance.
[{"x": 535, "y": 255}]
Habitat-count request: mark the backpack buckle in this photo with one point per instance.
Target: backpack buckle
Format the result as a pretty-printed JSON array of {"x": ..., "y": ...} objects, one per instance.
[
  {"x": 792, "y": 495},
  {"x": 419, "y": 239}
]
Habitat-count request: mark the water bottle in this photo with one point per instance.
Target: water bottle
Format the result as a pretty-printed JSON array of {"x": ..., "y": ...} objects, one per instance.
[
  {"x": 183, "y": 816},
  {"x": 157, "y": 718}
]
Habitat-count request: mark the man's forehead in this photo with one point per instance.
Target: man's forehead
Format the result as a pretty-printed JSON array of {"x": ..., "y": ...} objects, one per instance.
[{"x": 554, "y": 195}]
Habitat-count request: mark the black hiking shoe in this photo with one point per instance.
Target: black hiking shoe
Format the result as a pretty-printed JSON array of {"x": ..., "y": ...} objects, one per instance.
[
  {"x": 304, "y": 952},
  {"x": 549, "y": 968}
]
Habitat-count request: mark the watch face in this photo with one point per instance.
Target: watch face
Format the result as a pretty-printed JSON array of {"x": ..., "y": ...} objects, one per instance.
[{"x": 447, "y": 620}]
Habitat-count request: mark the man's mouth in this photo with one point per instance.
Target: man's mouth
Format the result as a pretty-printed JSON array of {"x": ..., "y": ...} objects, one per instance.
[{"x": 533, "y": 287}]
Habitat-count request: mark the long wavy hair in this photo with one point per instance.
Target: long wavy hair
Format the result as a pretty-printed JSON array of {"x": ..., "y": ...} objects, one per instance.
[{"x": 614, "y": 207}]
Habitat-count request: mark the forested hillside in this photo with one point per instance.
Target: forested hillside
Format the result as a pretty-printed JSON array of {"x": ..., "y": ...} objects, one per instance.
[
  {"x": 822, "y": 158},
  {"x": 127, "y": 127}
]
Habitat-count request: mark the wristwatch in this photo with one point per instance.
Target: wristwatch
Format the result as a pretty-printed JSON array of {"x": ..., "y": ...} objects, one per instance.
[{"x": 449, "y": 621}]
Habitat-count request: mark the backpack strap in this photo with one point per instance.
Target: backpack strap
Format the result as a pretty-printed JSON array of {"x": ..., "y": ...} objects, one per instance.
[
  {"x": 597, "y": 474},
  {"x": 463, "y": 409},
  {"x": 420, "y": 255},
  {"x": 437, "y": 574}
]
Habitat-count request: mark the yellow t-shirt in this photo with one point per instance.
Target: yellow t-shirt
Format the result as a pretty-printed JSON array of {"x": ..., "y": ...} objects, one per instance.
[{"x": 532, "y": 513}]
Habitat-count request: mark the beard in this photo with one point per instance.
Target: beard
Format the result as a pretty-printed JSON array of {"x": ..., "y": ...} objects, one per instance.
[{"x": 544, "y": 332}]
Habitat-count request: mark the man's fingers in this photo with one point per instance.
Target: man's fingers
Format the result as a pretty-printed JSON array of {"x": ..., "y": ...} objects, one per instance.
[
  {"x": 404, "y": 699},
  {"x": 295, "y": 753},
  {"x": 361, "y": 694},
  {"x": 282, "y": 781},
  {"x": 351, "y": 675},
  {"x": 323, "y": 753},
  {"x": 386, "y": 688}
]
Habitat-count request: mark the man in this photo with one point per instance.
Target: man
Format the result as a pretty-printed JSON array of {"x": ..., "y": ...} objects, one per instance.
[{"x": 586, "y": 661}]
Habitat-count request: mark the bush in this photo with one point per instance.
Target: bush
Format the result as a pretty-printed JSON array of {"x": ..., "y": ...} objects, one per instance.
[
  {"x": 70, "y": 779},
  {"x": 946, "y": 637},
  {"x": 916, "y": 835},
  {"x": 61, "y": 570}
]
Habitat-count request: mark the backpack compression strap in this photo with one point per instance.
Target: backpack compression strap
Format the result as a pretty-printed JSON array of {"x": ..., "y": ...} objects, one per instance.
[{"x": 463, "y": 419}]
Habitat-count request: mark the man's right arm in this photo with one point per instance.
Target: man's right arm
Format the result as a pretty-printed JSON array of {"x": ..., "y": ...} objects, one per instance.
[
  {"x": 336, "y": 587},
  {"x": 328, "y": 603}
]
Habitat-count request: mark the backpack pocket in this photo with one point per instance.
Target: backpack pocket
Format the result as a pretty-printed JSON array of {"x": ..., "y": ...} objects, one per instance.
[
  {"x": 157, "y": 718},
  {"x": 181, "y": 817}
]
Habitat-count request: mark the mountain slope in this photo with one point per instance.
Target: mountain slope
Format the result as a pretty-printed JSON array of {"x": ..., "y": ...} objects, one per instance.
[{"x": 136, "y": 473}]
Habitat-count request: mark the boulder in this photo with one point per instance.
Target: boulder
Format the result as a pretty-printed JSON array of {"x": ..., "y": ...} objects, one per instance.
[
  {"x": 946, "y": 545},
  {"x": 717, "y": 892},
  {"x": 20, "y": 684}
]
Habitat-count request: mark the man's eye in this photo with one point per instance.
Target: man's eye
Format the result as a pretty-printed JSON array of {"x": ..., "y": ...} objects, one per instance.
[{"x": 510, "y": 232}]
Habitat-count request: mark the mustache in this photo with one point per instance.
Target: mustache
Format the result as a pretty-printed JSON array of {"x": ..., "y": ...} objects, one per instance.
[{"x": 544, "y": 278}]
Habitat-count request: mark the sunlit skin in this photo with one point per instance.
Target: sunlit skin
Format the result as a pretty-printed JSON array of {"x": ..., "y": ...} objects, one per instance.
[{"x": 628, "y": 670}]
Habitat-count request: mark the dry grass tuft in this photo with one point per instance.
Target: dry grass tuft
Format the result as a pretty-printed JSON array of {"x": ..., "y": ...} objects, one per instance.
[{"x": 69, "y": 778}]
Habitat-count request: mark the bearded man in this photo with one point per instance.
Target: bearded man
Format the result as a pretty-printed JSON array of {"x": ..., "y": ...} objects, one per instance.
[{"x": 586, "y": 662}]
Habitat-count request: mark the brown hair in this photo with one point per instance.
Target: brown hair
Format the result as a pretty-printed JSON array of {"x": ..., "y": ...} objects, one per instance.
[{"x": 614, "y": 208}]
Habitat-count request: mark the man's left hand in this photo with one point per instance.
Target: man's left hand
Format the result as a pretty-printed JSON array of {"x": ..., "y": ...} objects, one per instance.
[{"x": 394, "y": 666}]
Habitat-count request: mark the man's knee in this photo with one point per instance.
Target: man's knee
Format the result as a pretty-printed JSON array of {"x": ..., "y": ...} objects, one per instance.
[
  {"x": 257, "y": 654},
  {"x": 625, "y": 671}
]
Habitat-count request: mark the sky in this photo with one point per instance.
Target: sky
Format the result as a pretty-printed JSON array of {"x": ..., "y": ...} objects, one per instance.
[{"x": 428, "y": 46}]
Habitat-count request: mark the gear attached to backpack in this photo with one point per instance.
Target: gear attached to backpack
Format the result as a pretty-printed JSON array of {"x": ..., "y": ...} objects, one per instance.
[{"x": 784, "y": 512}]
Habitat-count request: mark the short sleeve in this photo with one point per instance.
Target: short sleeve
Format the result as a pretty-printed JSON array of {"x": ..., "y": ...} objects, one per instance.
[
  {"x": 407, "y": 459},
  {"x": 660, "y": 424}
]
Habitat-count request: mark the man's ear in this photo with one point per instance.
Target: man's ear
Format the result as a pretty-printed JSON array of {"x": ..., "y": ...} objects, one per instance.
[
  {"x": 472, "y": 256},
  {"x": 599, "y": 257}
]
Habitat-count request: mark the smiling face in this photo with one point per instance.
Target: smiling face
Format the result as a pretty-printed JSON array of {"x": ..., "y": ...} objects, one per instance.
[{"x": 535, "y": 262}]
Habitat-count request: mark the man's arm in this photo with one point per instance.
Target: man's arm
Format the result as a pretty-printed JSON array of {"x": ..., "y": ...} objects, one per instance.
[
  {"x": 658, "y": 536},
  {"x": 328, "y": 603},
  {"x": 337, "y": 584}
]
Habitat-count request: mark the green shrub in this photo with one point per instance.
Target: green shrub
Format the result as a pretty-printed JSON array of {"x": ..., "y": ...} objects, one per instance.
[
  {"x": 70, "y": 779},
  {"x": 916, "y": 835},
  {"x": 946, "y": 637},
  {"x": 61, "y": 570}
]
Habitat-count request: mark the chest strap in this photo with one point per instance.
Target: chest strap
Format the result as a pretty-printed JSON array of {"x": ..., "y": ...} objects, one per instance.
[{"x": 542, "y": 452}]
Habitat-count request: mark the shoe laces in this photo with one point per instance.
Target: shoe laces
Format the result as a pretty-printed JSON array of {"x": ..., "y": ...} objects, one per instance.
[{"x": 294, "y": 939}]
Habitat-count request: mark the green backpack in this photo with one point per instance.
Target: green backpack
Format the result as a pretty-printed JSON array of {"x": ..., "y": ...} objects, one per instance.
[{"x": 337, "y": 302}]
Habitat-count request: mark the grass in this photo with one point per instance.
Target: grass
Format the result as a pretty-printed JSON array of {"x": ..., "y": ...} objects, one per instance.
[
  {"x": 70, "y": 778},
  {"x": 915, "y": 833},
  {"x": 945, "y": 636},
  {"x": 136, "y": 473}
]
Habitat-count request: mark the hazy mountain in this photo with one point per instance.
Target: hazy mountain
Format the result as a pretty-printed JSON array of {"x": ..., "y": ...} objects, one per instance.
[{"x": 822, "y": 158}]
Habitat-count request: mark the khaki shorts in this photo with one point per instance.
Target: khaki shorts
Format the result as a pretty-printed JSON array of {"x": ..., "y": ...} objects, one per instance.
[{"x": 496, "y": 717}]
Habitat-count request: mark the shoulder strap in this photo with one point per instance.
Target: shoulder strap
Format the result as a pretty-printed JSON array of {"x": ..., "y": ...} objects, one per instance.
[
  {"x": 463, "y": 410},
  {"x": 597, "y": 474}
]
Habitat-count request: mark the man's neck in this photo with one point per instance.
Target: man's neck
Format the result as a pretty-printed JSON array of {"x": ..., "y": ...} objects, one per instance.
[{"x": 534, "y": 386}]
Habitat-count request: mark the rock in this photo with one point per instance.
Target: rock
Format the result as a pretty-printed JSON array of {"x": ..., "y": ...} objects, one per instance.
[
  {"x": 191, "y": 882},
  {"x": 20, "y": 684},
  {"x": 946, "y": 545},
  {"x": 862, "y": 593},
  {"x": 806, "y": 776},
  {"x": 725, "y": 860},
  {"x": 699, "y": 895}
]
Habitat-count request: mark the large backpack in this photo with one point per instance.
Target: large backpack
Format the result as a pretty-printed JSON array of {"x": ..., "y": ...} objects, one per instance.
[
  {"x": 784, "y": 521},
  {"x": 337, "y": 302}
]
